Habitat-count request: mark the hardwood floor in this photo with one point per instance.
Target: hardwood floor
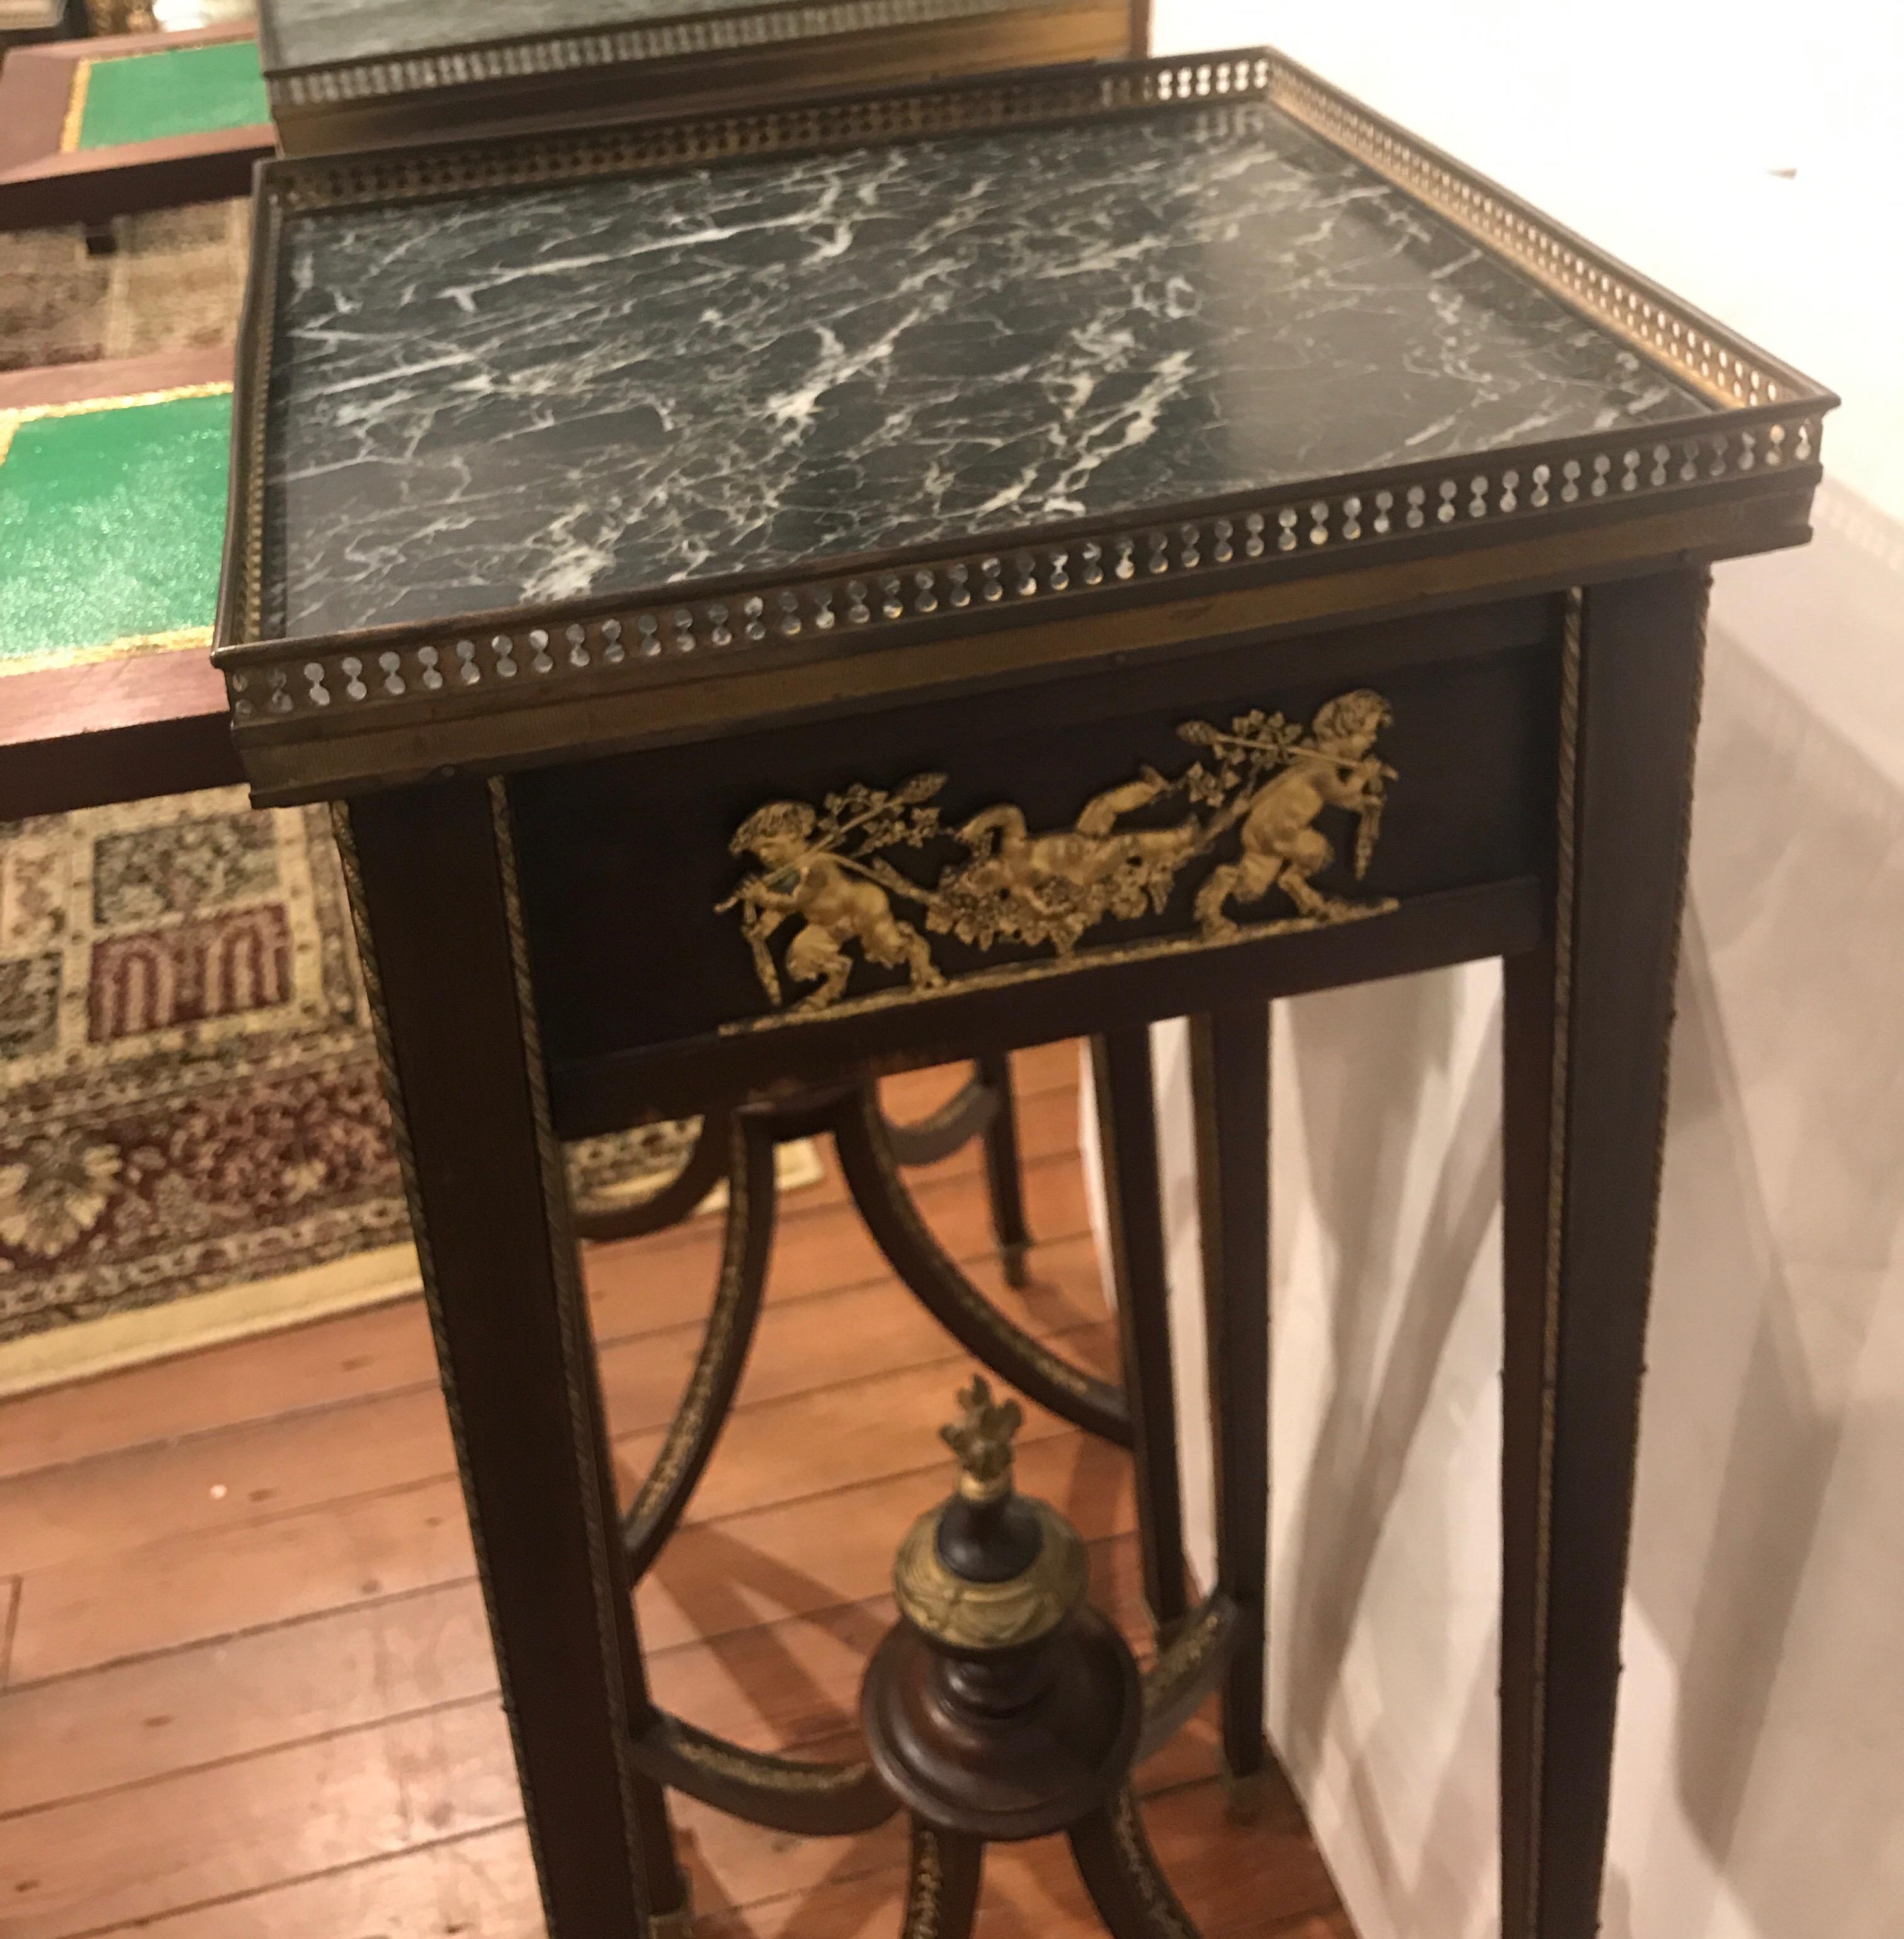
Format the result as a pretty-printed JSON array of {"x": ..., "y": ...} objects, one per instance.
[{"x": 245, "y": 1688}]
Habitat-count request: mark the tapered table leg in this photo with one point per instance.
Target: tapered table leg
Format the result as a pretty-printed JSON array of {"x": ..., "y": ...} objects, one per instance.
[
  {"x": 1230, "y": 1082},
  {"x": 1588, "y": 1021},
  {"x": 432, "y": 884},
  {"x": 1004, "y": 1177},
  {"x": 1127, "y": 1135}
]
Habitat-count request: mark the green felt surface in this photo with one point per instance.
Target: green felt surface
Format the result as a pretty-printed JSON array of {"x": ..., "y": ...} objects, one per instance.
[
  {"x": 110, "y": 522},
  {"x": 178, "y": 91}
]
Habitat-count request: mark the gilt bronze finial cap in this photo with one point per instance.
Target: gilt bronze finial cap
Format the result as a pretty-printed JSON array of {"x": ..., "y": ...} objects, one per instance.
[
  {"x": 981, "y": 1438},
  {"x": 988, "y": 1568}
]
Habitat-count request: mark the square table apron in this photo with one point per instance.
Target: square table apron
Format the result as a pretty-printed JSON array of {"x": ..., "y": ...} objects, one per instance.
[{"x": 610, "y": 517}]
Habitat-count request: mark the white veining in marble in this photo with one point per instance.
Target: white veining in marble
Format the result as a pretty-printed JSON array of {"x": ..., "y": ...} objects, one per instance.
[{"x": 548, "y": 393}]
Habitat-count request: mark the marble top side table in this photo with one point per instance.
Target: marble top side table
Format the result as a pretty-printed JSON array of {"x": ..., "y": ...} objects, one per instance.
[
  {"x": 345, "y": 74},
  {"x": 773, "y": 601}
]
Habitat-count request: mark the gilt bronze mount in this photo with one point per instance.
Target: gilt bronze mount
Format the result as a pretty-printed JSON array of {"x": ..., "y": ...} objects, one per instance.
[{"x": 830, "y": 871}]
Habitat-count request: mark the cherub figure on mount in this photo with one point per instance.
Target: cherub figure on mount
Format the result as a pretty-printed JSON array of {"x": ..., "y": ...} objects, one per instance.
[
  {"x": 1052, "y": 888},
  {"x": 822, "y": 869},
  {"x": 1277, "y": 780},
  {"x": 1267, "y": 777}
]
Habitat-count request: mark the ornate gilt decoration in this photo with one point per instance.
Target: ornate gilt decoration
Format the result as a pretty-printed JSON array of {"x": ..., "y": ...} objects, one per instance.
[
  {"x": 959, "y": 1610},
  {"x": 1188, "y": 1667},
  {"x": 981, "y": 1438},
  {"x": 941, "y": 1285},
  {"x": 1162, "y": 1908},
  {"x": 991, "y": 1615},
  {"x": 829, "y": 872}
]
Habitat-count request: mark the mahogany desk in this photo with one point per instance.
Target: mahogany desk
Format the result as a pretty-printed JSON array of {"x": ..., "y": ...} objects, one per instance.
[
  {"x": 123, "y": 704},
  {"x": 774, "y": 601},
  {"x": 116, "y": 125}
]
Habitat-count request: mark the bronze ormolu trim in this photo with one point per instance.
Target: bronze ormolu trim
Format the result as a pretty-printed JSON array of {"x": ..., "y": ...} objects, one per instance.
[
  {"x": 1711, "y": 358},
  {"x": 409, "y": 676},
  {"x": 968, "y": 1113},
  {"x": 815, "y": 123},
  {"x": 608, "y": 1596},
  {"x": 1567, "y": 815},
  {"x": 689, "y": 1444},
  {"x": 608, "y": 1586},
  {"x": 828, "y": 872},
  {"x": 981, "y": 1439},
  {"x": 1167, "y": 1919},
  {"x": 942, "y": 1884},
  {"x": 936, "y": 1281},
  {"x": 482, "y": 64},
  {"x": 1565, "y": 810},
  {"x": 991, "y": 1615},
  {"x": 810, "y": 1799},
  {"x": 1187, "y": 1668},
  {"x": 399, "y": 1138}
]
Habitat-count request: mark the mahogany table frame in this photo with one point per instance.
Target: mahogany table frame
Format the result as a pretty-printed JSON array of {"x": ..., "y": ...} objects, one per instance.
[
  {"x": 41, "y": 184},
  {"x": 1597, "y": 603}
]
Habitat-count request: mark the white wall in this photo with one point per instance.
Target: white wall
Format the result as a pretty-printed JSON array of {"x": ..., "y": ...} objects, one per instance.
[{"x": 1760, "y": 1786}]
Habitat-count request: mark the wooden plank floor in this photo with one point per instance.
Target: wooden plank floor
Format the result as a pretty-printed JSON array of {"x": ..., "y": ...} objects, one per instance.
[{"x": 246, "y": 1688}]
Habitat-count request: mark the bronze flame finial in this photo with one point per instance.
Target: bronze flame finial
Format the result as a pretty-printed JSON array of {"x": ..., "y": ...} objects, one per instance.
[{"x": 982, "y": 1441}]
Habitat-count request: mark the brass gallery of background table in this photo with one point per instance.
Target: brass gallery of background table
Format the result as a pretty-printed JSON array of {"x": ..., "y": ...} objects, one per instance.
[
  {"x": 940, "y": 618},
  {"x": 348, "y": 74}
]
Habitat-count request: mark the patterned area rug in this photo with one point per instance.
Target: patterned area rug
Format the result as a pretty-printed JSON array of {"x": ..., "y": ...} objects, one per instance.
[
  {"x": 174, "y": 283},
  {"x": 194, "y": 1143}
]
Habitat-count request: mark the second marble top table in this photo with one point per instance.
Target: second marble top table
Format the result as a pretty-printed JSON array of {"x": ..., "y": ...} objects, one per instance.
[{"x": 345, "y": 73}]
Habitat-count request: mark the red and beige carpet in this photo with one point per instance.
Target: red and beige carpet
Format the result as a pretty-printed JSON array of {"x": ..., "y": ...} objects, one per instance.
[{"x": 193, "y": 1143}]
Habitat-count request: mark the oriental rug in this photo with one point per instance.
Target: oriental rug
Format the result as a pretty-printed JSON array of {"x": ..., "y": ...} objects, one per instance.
[{"x": 193, "y": 1141}]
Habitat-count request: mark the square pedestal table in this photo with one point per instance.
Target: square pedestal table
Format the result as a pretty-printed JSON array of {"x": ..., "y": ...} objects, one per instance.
[{"x": 793, "y": 593}]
